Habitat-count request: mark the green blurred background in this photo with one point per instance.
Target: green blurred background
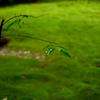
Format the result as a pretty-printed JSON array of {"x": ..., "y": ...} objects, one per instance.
[{"x": 73, "y": 24}]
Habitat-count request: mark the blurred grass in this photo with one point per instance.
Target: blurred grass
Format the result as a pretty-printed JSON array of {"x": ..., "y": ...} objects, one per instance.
[{"x": 73, "y": 25}]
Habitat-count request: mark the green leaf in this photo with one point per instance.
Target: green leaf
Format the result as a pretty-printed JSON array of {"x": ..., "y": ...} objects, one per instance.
[
  {"x": 50, "y": 50},
  {"x": 46, "y": 47},
  {"x": 9, "y": 98},
  {"x": 60, "y": 47},
  {"x": 19, "y": 20},
  {"x": 25, "y": 16},
  {"x": 64, "y": 53},
  {"x": 7, "y": 95},
  {"x": 26, "y": 99},
  {"x": 11, "y": 24}
]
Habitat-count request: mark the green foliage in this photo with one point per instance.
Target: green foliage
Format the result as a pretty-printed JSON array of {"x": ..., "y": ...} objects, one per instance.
[
  {"x": 9, "y": 97},
  {"x": 50, "y": 50},
  {"x": 46, "y": 47},
  {"x": 17, "y": 21},
  {"x": 14, "y": 22},
  {"x": 65, "y": 53},
  {"x": 25, "y": 16},
  {"x": 60, "y": 47},
  {"x": 26, "y": 99}
]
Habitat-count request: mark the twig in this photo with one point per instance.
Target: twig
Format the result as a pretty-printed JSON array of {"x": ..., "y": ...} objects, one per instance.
[
  {"x": 1, "y": 27},
  {"x": 29, "y": 37},
  {"x": 23, "y": 16}
]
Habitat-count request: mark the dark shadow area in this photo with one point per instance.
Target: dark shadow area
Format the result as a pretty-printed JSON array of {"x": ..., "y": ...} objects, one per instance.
[
  {"x": 4, "y": 3},
  {"x": 14, "y": 2}
]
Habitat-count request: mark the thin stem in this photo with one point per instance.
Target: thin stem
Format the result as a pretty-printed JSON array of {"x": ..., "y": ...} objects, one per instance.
[
  {"x": 29, "y": 37},
  {"x": 1, "y": 27},
  {"x": 23, "y": 16}
]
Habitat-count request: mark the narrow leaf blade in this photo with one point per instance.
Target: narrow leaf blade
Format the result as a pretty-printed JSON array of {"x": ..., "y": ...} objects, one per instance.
[
  {"x": 64, "y": 53},
  {"x": 25, "y": 16},
  {"x": 46, "y": 47},
  {"x": 19, "y": 20},
  {"x": 50, "y": 50},
  {"x": 11, "y": 24},
  {"x": 26, "y": 99},
  {"x": 60, "y": 47}
]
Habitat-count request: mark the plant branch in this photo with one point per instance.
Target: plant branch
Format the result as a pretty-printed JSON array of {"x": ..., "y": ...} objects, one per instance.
[
  {"x": 23, "y": 16},
  {"x": 29, "y": 37},
  {"x": 1, "y": 27}
]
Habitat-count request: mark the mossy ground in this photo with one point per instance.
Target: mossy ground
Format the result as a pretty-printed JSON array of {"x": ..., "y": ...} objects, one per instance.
[{"x": 74, "y": 25}]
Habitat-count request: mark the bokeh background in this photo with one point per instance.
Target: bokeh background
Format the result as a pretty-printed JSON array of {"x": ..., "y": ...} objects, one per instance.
[{"x": 73, "y": 24}]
